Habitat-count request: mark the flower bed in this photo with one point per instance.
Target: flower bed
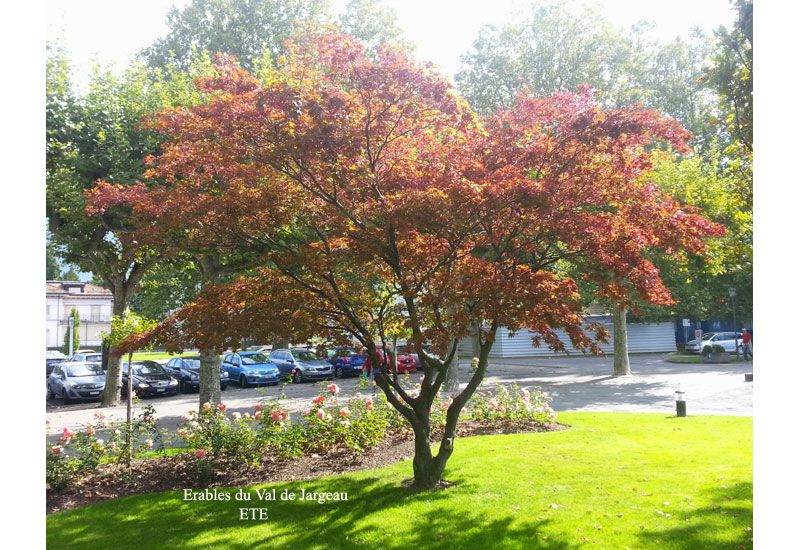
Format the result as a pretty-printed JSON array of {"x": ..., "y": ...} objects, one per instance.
[{"x": 218, "y": 441}]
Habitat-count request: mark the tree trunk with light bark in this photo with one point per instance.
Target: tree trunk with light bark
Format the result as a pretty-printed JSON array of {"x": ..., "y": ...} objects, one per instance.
[{"x": 622, "y": 365}]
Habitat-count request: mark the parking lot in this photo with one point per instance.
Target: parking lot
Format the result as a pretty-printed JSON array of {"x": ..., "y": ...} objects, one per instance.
[{"x": 575, "y": 384}]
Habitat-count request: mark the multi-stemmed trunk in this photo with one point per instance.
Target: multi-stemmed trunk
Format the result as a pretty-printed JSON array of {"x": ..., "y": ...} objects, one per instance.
[
  {"x": 622, "y": 365},
  {"x": 428, "y": 468}
]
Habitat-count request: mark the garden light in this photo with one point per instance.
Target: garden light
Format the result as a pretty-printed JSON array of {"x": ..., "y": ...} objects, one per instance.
[{"x": 680, "y": 403}]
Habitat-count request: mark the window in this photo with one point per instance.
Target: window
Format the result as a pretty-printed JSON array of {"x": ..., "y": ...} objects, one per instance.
[
  {"x": 95, "y": 314},
  {"x": 48, "y": 311}
]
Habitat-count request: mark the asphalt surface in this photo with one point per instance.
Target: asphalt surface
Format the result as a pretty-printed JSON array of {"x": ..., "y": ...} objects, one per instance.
[{"x": 575, "y": 384}]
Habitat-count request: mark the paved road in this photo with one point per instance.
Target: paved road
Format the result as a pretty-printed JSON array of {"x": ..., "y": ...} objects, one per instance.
[{"x": 575, "y": 384}]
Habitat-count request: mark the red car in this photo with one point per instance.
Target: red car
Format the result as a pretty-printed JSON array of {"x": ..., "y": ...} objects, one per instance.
[{"x": 405, "y": 363}]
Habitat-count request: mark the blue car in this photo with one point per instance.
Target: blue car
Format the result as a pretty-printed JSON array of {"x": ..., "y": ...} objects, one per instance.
[
  {"x": 346, "y": 361},
  {"x": 186, "y": 370},
  {"x": 250, "y": 368}
]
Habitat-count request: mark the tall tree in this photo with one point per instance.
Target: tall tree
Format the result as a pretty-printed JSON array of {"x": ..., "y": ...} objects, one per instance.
[
  {"x": 373, "y": 23},
  {"x": 94, "y": 136},
  {"x": 51, "y": 263},
  {"x": 558, "y": 47},
  {"x": 75, "y": 333},
  {"x": 254, "y": 31},
  {"x": 700, "y": 283},
  {"x": 166, "y": 288},
  {"x": 245, "y": 29},
  {"x": 731, "y": 76},
  {"x": 361, "y": 182}
]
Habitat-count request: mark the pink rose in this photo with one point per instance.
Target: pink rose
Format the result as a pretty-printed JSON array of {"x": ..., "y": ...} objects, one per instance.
[{"x": 222, "y": 406}]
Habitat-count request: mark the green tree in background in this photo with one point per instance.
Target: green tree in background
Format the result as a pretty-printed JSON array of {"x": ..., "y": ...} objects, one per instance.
[
  {"x": 76, "y": 334},
  {"x": 700, "y": 283},
  {"x": 373, "y": 23},
  {"x": 167, "y": 287},
  {"x": 555, "y": 46},
  {"x": 245, "y": 29},
  {"x": 93, "y": 136},
  {"x": 254, "y": 31},
  {"x": 731, "y": 76},
  {"x": 51, "y": 264}
]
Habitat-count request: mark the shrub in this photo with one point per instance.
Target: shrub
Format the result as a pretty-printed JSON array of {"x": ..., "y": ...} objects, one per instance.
[
  {"x": 716, "y": 348},
  {"x": 708, "y": 349}
]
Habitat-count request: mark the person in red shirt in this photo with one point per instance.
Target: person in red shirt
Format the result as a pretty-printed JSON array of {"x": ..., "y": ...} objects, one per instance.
[
  {"x": 368, "y": 370},
  {"x": 747, "y": 344}
]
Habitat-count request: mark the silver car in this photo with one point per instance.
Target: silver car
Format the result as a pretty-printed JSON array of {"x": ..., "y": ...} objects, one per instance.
[
  {"x": 74, "y": 380},
  {"x": 301, "y": 363},
  {"x": 727, "y": 340}
]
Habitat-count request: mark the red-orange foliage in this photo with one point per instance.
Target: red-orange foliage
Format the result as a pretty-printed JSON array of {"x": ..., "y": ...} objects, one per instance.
[{"x": 365, "y": 184}]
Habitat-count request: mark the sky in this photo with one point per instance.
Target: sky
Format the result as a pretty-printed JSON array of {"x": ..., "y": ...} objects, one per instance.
[{"x": 443, "y": 30}]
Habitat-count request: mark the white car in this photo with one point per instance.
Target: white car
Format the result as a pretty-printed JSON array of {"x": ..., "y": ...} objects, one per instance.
[{"x": 727, "y": 340}]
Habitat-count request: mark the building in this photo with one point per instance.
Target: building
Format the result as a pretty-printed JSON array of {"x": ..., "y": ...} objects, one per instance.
[
  {"x": 642, "y": 338},
  {"x": 94, "y": 304}
]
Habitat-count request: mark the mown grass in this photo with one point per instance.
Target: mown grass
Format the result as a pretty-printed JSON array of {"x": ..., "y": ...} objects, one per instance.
[{"x": 614, "y": 480}]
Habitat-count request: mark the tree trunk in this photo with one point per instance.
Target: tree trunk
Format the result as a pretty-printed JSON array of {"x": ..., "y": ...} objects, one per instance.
[
  {"x": 280, "y": 344},
  {"x": 622, "y": 365},
  {"x": 451, "y": 383},
  {"x": 209, "y": 377},
  {"x": 427, "y": 468},
  {"x": 112, "y": 396}
]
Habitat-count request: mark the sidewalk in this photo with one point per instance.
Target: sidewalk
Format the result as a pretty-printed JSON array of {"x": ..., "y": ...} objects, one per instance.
[{"x": 587, "y": 384}]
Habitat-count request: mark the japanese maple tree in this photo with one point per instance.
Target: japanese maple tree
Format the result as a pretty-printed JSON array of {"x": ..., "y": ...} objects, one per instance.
[{"x": 365, "y": 184}]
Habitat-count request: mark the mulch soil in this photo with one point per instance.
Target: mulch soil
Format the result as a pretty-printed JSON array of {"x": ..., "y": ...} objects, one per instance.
[{"x": 155, "y": 475}]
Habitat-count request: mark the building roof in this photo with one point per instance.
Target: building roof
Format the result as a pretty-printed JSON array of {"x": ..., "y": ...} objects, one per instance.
[{"x": 76, "y": 288}]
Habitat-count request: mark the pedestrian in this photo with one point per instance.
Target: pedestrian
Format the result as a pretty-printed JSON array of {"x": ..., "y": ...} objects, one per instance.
[
  {"x": 747, "y": 344},
  {"x": 372, "y": 370}
]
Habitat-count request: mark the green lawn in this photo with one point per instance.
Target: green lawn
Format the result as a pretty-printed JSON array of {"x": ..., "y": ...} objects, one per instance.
[{"x": 611, "y": 481}]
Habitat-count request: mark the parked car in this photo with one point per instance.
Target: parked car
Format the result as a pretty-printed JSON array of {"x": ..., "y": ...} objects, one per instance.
[
  {"x": 303, "y": 363},
  {"x": 727, "y": 340},
  {"x": 88, "y": 356},
  {"x": 346, "y": 361},
  {"x": 72, "y": 380},
  {"x": 149, "y": 378},
  {"x": 405, "y": 349},
  {"x": 251, "y": 367},
  {"x": 52, "y": 359},
  {"x": 405, "y": 363},
  {"x": 186, "y": 370}
]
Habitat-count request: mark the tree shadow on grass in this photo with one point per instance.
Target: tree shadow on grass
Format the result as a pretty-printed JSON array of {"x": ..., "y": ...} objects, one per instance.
[
  {"x": 723, "y": 524},
  {"x": 379, "y": 513}
]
